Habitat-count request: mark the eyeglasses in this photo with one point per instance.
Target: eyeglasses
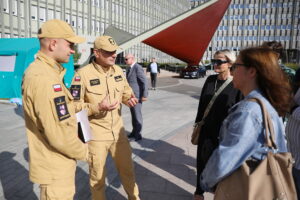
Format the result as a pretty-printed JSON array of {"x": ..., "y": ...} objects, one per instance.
[
  {"x": 235, "y": 65},
  {"x": 218, "y": 62}
]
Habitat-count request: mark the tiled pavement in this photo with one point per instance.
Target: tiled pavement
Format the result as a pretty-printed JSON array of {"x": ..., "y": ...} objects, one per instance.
[{"x": 164, "y": 160}]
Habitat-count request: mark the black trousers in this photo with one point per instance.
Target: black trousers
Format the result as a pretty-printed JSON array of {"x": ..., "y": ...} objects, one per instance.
[{"x": 153, "y": 79}]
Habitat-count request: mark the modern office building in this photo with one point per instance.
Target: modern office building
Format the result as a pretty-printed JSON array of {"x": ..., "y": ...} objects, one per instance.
[
  {"x": 246, "y": 22},
  {"x": 90, "y": 18},
  {"x": 249, "y": 23}
]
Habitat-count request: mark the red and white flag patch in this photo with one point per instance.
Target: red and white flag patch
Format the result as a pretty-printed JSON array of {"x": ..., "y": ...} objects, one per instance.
[
  {"x": 57, "y": 88},
  {"x": 77, "y": 78}
]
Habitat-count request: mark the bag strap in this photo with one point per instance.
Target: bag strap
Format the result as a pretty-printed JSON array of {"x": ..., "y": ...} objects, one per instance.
[
  {"x": 270, "y": 133},
  {"x": 229, "y": 79}
]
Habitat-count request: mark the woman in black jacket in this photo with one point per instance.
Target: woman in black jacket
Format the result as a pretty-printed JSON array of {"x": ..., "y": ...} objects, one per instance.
[{"x": 209, "y": 136}]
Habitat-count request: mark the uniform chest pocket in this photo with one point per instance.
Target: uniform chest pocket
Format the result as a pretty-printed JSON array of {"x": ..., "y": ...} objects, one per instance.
[{"x": 94, "y": 94}]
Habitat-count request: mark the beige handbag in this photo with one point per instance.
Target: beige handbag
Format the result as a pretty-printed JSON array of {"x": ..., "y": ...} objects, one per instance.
[
  {"x": 198, "y": 125},
  {"x": 269, "y": 179}
]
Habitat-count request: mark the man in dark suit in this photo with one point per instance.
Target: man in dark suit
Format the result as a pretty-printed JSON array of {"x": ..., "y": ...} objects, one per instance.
[{"x": 137, "y": 80}]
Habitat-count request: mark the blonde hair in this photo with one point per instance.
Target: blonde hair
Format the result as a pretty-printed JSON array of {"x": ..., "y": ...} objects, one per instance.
[{"x": 230, "y": 56}]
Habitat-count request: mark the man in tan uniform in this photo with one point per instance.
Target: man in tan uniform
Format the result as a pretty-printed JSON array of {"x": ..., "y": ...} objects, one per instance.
[
  {"x": 49, "y": 111},
  {"x": 103, "y": 80}
]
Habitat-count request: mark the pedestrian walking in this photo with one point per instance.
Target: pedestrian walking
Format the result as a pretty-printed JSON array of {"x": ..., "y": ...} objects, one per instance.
[{"x": 154, "y": 69}]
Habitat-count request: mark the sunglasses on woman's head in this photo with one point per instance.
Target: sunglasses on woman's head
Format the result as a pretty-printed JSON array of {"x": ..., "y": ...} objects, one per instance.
[{"x": 218, "y": 62}]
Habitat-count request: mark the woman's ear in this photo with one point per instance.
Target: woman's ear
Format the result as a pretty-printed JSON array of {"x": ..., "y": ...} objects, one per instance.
[{"x": 252, "y": 72}]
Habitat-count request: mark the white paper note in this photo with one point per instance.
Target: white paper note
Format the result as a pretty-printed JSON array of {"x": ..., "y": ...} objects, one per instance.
[{"x": 84, "y": 129}]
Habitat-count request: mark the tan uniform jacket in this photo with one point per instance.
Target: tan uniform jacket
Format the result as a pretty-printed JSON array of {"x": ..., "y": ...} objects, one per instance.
[
  {"x": 91, "y": 85},
  {"x": 50, "y": 120}
]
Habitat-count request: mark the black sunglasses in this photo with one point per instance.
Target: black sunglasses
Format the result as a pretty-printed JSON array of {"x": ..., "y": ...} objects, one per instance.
[
  {"x": 218, "y": 62},
  {"x": 235, "y": 65}
]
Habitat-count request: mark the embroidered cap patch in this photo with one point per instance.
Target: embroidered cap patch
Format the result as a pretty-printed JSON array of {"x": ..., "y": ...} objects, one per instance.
[
  {"x": 57, "y": 87},
  {"x": 61, "y": 108},
  {"x": 75, "y": 91}
]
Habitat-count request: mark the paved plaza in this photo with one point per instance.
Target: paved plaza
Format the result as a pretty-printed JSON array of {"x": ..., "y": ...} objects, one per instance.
[{"x": 164, "y": 160}]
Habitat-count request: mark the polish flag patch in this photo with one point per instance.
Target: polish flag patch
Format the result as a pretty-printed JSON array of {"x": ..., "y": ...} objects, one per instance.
[
  {"x": 77, "y": 78},
  {"x": 57, "y": 88}
]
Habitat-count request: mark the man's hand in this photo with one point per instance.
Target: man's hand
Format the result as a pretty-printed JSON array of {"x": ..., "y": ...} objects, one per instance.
[
  {"x": 144, "y": 99},
  {"x": 104, "y": 105},
  {"x": 132, "y": 101}
]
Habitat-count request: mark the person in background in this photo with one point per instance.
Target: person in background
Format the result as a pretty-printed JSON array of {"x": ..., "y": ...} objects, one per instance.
[
  {"x": 104, "y": 81},
  {"x": 154, "y": 69},
  {"x": 49, "y": 111},
  {"x": 278, "y": 48},
  {"x": 292, "y": 130},
  {"x": 296, "y": 81},
  {"x": 242, "y": 135},
  {"x": 138, "y": 82},
  {"x": 209, "y": 137}
]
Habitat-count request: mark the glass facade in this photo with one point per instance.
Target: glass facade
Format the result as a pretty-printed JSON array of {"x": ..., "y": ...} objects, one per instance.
[
  {"x": 90, "y": 18},
  {"x": 246, "y": 23}
]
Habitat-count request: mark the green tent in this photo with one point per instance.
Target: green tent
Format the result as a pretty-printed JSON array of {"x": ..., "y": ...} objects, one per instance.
[{"x": 16, "y": 54}]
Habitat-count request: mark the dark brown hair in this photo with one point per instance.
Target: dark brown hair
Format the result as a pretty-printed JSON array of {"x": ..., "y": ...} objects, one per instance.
[
  {"x": 271, "y": 79},
  {"x": 275, "y": 46}
]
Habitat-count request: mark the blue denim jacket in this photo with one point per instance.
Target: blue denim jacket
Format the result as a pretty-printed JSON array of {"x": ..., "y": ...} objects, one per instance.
[{"x": 241, "y": 137}]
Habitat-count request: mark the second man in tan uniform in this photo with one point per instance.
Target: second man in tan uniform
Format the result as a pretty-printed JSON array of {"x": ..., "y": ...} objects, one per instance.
[{"x": 104, "y": 81}]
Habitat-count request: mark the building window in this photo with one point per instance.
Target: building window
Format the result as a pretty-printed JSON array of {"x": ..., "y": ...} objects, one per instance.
[
  {"x": 50, "y": 14},
  {"x": 33, "y": 12},
  {"x": 67, "y": 18},
  {"x": 6, "y": 6},
  {"x": 42, "y": 14},
  {"x": 79, "y": 22},
  {"x": 15, "y": 8}
]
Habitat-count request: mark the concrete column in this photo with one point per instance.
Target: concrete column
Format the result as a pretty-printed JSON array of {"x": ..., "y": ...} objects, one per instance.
[
  {"x": 19, "y": 17},
  {"x": 110, "y": 12},
  {"x": 1, "y": 19},
  {"x": 11, "y": 25}
]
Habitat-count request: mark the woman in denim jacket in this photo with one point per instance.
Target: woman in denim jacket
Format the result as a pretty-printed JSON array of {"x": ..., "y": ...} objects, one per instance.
[{"x": 256, "y": 74}]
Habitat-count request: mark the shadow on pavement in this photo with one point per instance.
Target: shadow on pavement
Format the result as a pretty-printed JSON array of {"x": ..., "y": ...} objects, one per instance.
[
  {"x": 82, "y": 185},
  {"x": 162, "y": 172},
  {"x": 19, "y": 111},
  {"x": 14, "y": 178}
]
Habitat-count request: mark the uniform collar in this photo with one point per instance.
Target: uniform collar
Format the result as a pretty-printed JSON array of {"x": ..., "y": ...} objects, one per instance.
[
  {"x": 58, "y": 68},
  {"x": 99, "y": 68}
]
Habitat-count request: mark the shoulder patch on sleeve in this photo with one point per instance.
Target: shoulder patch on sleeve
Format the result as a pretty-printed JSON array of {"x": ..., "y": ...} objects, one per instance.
[
  {"x": 77, "y": 78},
  {"x": 57, "y": 88},
  {"x": 118, "y": 78},
  {"x": 75, "y": 91},
  {"x": 61, "y": 108}
]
